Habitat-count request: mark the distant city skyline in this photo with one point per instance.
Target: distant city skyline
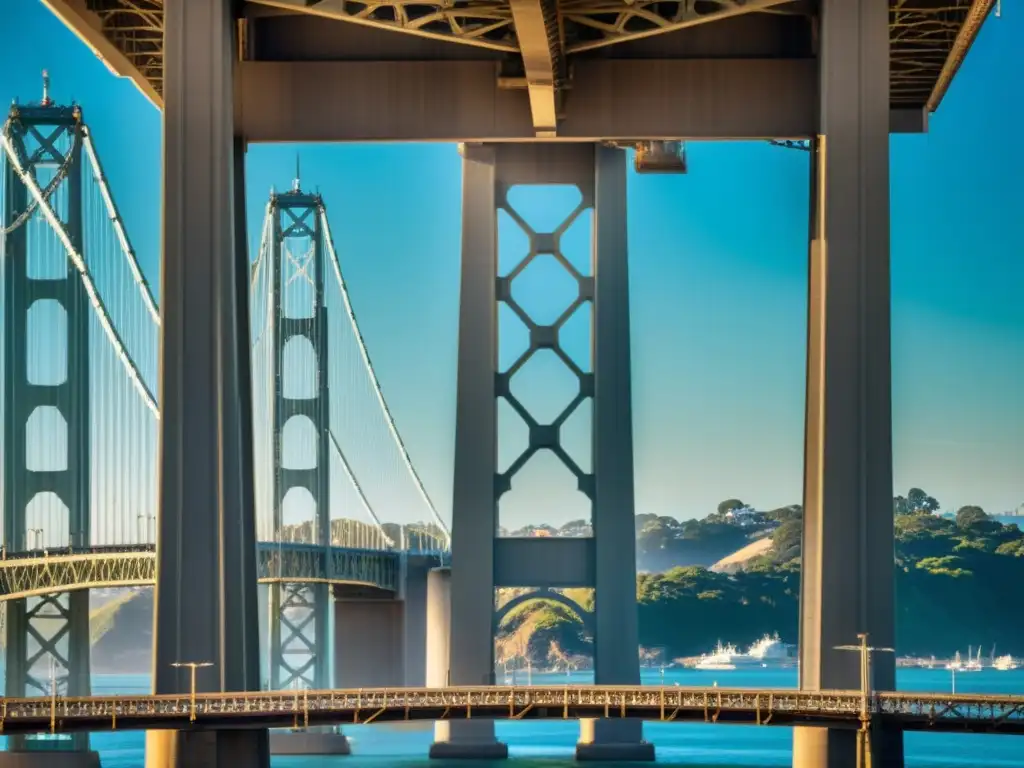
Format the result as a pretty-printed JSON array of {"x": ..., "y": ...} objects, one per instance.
[{"x": 718, "y": 285}]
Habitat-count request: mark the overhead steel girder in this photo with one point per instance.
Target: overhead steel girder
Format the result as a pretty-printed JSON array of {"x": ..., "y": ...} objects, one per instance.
[
  {"x": 64, "y": 572},
  {"x": 541, "y": 48}
]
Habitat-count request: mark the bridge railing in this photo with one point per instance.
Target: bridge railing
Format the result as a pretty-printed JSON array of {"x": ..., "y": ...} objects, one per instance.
[{"x": 842, "y": 708}]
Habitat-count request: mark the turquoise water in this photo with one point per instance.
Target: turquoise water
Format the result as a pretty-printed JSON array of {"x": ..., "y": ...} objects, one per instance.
[{"x": 547, "y": 744}]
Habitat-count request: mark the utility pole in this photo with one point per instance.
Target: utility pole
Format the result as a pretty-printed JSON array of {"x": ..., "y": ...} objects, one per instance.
[
  {"x": 866, "y": 695},
  {"x": 193, "y": 666}
]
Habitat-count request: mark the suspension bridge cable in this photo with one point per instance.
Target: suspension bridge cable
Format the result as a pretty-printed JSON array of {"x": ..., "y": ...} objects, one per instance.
[
  {"x": 407, "y": 460},
  {"x": 358, "y": 488},
  {"x": 122, "y": 235},
  {"x": 83, "y": 271}
]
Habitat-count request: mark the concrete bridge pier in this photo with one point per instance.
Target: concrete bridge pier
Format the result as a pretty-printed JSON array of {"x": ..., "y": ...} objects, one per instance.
[
  {"x": 453, "y": 739},
  {"x": 847, "y": 583},
  {"x": 481, "y": 561},
  {"x": 206, "y": 603}
]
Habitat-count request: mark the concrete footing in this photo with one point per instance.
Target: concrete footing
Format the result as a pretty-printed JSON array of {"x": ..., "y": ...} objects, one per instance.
[
  {"x": 49, "y": 759},
  {"x": 466, "y": 740},
  {"x": 207, "y": 749},
  {"x": 604, "y": 740},
  {"x": 309, "y": 743},
  {"x": 825, "y": 748}
]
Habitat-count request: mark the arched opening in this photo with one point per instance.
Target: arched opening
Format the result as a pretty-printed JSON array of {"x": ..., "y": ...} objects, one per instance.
[
  {"x": 46, "y": 440},
  {"x": 299, "y": 368},
  {"x": 47, "y": 522},
  {"x": 298, "y": 516},
  {"x": 299, "y": 443},
  {"x": 46, "y": 343},
  {"x": 544, "y": 630}
]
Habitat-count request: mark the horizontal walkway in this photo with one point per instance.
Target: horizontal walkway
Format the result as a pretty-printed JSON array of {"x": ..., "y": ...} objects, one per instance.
[{"x": 298, "y": 709}]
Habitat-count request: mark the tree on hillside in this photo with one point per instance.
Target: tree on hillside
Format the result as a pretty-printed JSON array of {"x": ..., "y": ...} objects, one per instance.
[
  {"x": 782, "y": 514},
  {"x": 730, "y": 505},
  {"x": 968, "y": 516},
  {"x": 786, "y": 539}
]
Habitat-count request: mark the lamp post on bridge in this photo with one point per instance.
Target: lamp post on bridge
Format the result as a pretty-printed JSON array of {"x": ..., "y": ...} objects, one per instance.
[
  {"x": 193, "y": 666},
  {"x": 865, "y": 651}
]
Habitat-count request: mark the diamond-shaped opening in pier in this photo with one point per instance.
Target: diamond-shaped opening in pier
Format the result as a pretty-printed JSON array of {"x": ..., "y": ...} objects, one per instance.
[
  {"x": 298, "y": 516},
  {"x": 46, "y": 440},
  {"x": 513, "y": 435},
  {"x": 513, "y": 243},
  {"x": 544, "y": 497},
  {"x": 298, "y": 270},
  {"x": 545, "y": 289},
  {"x": 576, "y": 435},
  {"x": 299, "y": 369},
  {"x": 544, "y": 207},
  {"x": 542, "y": 629},
  {"x": 46, "y": 343},
  {"x": 513, "y": 337},
  {"x": 47, "y": 522},
  {"x": 299, "y": 443},
  {"x": 577, "y": 242},
  {"x": 575, "y": 336},
  {"x": 544, "y": 386}
]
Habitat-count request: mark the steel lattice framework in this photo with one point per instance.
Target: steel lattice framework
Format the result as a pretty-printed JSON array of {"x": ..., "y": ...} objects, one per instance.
[
  {"x": 977, "y": 713},
  {"x": 71, "y": 571},
  {"x": 928, "y": 38}
]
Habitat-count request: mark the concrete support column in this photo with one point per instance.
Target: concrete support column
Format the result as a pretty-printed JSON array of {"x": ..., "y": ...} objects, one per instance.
[
  {"x": 416, "y": 574},
  {"x": 439, "y": 626},
  {"x": 616, "y": 634},
  {"x": 474, "y": 508},
  {"x": 206, "y": 606},
  {"x": 369, "y": 642},
  {"x": 847, "y": 582}
]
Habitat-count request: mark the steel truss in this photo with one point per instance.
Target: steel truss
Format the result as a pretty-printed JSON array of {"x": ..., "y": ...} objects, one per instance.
[
  {"x": 26, "y": 577},
  {"x": 928, "y": 38}
]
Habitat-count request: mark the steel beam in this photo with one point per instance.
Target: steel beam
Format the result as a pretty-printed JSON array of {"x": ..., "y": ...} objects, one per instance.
[
  {"x": 544, "y": 562},
  {"x": 537, "y": 29},
  {"x": 455, "y": 101}
]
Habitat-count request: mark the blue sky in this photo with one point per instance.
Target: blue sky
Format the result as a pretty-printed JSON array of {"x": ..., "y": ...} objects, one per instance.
[{"x": 718, "y": 260}]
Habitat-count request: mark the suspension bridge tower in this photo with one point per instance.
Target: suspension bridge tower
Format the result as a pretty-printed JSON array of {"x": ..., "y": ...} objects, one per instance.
[
  {"x": 299, "y": 655},
  {"x": 46, "y": 408}
]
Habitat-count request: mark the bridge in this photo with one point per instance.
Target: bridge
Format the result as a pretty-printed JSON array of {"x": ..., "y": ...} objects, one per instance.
[
  {"x": 971, "y": 713},
  {"x": 539, "y": 93},
  {"x": 81, "y": 332}
]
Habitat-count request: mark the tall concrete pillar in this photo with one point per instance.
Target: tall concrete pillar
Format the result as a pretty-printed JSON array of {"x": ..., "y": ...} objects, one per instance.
[
  {"x": 206, "y": 605},
  {"x": 616, "y": 634},
  {"x": 474, "y": 509},
  {"x": 847, "y": 581},
  {"x": 480, "y": 560},
  {"x": 439, "y": 626}
]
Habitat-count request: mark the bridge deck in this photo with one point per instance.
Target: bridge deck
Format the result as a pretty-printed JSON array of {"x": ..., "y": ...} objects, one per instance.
[
  {"x": 909, "y": 711},
  {"x": 41, "y": 572}
]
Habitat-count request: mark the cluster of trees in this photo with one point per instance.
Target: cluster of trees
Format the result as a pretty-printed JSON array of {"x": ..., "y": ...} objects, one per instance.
[{"x": 952, "y": 577}]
